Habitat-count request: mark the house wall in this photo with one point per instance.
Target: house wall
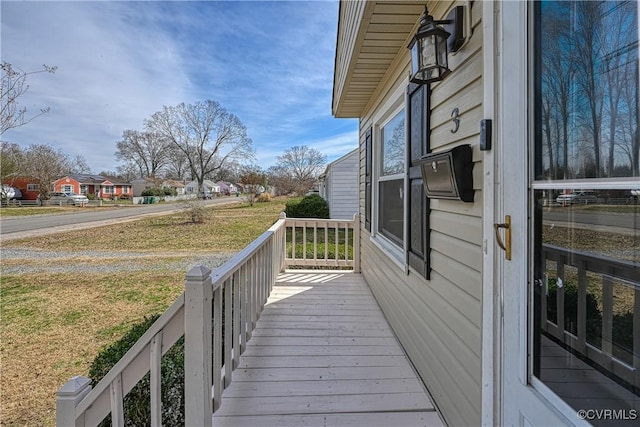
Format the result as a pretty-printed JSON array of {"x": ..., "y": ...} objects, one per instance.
[
  {"x": 59, "y": 185},
  {"x": 439, "y": 321},
  {"x": 341, "y": 187},
  {"x": 22, "y": 183}
]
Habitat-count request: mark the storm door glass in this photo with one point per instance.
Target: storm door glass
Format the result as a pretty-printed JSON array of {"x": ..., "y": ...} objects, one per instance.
[{"x": 585, "y": 322}]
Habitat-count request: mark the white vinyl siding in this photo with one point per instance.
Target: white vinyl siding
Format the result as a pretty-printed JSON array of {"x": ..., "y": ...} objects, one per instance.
[
  {"x": 439, "y": 321},
  {"x": 341, "y": 186}
]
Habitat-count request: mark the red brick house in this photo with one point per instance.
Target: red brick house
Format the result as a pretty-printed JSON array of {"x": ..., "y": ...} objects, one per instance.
[
  {"x": 29, "y": 187},
  {"x": 103, "y": 187}
]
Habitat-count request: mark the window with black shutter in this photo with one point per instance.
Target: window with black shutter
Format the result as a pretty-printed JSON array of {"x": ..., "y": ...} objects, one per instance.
[
  {"x": 367, "y": 179},
  {"x": 418, "y": 246}
]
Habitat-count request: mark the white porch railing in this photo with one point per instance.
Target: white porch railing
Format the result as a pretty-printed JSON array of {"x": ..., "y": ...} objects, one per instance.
[
  {"x": 244, "y": 283},
  {"x": 608, "y": 271},
  {"x": 323, "y": 242}
]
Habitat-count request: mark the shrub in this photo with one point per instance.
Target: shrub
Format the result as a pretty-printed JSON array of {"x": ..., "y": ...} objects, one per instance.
[
  {"x": 264, "y": 197},
  {"x": 124, "y": 197},
  {"x": 194, "y": 211},
  {"x": 313, "y": 206},
  {"x": 90, "y": 196},
  {"x": 137, "y": 410}
]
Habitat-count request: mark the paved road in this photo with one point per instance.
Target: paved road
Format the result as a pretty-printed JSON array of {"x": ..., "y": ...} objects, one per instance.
[
  {"x": 623, "y": 222},
  {"x": 28, "y": 226}
]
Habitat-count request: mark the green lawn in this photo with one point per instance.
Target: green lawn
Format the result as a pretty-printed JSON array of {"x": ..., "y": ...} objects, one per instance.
[{"x": 54, "y": 324}]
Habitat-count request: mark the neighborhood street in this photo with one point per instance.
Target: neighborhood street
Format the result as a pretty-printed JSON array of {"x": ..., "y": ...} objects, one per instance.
[{"x": 38, "y": 225}]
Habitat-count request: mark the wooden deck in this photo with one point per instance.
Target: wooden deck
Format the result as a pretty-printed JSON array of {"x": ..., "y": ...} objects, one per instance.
[{"x": 322, "y": 354}]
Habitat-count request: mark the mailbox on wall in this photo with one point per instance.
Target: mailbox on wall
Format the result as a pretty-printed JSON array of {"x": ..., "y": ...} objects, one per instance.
[{"x": 449, "y": 174}]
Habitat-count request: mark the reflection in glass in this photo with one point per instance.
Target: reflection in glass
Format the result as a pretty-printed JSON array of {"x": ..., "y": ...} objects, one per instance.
[
  {"x": 393, "y": 146},
  {"x": 391, "y": 220},
  {"x": 587, "y": 302},
  {"x": 589, "y": 85}
]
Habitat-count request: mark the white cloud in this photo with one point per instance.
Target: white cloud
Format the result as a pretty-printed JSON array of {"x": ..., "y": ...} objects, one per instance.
[{"x": 270, "y": 63}]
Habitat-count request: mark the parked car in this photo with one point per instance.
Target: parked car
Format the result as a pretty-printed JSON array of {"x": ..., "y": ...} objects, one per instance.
[
  {"x": 7, "y": 193},
  {"x": 68, "y": 198},
  {"x": 206, "y": 195},
  {"x": 577, "y": 197}
]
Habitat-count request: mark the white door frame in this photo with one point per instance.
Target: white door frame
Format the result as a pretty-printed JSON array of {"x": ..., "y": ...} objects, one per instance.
[{"x": 507, "y": 396}]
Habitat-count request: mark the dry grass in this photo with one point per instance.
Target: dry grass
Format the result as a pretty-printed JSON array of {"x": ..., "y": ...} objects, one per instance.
[
  {"x": 228, "y": 228},
  {"x": 53, "y": 325},
  {"x": 24, "y": 211}
]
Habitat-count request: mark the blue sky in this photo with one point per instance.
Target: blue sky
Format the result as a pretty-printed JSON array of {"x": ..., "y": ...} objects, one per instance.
[{"x": 270, "y": 63}]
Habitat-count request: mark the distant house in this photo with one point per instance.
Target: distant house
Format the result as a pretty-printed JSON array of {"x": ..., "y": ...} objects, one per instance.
[
  {"x": 339, "y": 186},
  {"x": 227, "y": 188},
  {"x": 207, "y": 186},
  {"x": 141, "y": 184},
  {"x": 103, "y": 187},
  {"x": 28, "y": 186}
]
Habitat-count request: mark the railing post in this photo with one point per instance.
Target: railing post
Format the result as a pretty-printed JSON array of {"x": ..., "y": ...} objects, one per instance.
[
  {"x": 69, "y": 395},
  {"x": 197, "y": 347},
  {"x": 356, "y": 243}
]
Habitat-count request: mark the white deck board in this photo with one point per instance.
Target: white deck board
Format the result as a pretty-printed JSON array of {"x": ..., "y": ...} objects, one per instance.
[{"x": 323, "y": 354}]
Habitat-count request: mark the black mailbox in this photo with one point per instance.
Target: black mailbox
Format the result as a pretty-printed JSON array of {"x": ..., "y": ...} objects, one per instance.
[{"x": 449, "y": 174}]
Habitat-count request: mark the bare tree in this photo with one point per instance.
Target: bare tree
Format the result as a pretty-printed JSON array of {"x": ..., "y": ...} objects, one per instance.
[
  {"x": 205, "y": 133},
  {"x": 253, "y": 180},
  {"x": 14, "y": 85},
  {"x": 46, "y": 164},
  {"x": 301, "y": 165},
  {"x": 147, "y": 150}
]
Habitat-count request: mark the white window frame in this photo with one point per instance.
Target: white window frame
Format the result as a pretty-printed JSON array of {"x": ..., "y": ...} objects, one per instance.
[
  {"x": 395, "y": 104},
  {"x": 67, "y": 188},
  {"x": 33, "y": 187}
]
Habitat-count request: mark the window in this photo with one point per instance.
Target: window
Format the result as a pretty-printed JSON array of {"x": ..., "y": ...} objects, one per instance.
[
  {"x": 108, "y": 190},
  {"x": 33, "y": 187},
  {"x": 585, "y": 297},
  {"x": 125, "y": 189},
  {"x": 391, "y": 179},
  {"x": 392, "y": 161},
  {"x": 83, "y": 189},
  {"x": 67, "y": 188}
]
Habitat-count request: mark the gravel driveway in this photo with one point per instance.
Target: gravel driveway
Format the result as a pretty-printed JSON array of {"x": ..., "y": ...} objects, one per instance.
[{"x": 212, "y": 261}]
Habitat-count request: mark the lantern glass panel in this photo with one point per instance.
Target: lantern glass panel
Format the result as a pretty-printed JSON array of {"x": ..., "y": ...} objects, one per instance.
[
  {"x": 428, "y": 50},
  {"x": 442, "y": 52},
  {"x": 415, "y": 58}
]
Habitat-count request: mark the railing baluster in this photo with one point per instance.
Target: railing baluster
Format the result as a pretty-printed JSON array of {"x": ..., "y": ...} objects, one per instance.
[
  {"x": 356, "y": 243},
  {"x": 304, "y": 240},
  {"x": 293, "y": 243},
  {"x": 582, "y": 308},
  {"x": 217, "y": 347},
  {"x": 326, "y": 243},
  {"x": 337, "y": 239},
  {"x": 346, "y": 243},
  {"x": 607, "y": 318},
  {"x": 117, "y": 404},
  {"x": 315, "y": 242},
  {"x": 155, "y": 373},
  {"x": 236, "y": 319},
  {"x": 560, "y": 298},
  {"x": 228, "y": 331},
  {"x": 243, "y": 309},
  {"x": 636, "y": 336}
]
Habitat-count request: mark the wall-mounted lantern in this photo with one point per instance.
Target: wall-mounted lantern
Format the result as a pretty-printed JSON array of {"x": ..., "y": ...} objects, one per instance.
[{"x": 431, "y": 44}]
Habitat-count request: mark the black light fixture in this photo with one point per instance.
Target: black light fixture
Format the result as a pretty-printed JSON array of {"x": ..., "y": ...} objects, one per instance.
[{"x": 429, "y": 46}]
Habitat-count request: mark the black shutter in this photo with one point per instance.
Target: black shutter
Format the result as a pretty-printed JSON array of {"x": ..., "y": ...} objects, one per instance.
[
  {"x": 418, "y": 247},
  {"x": 367, "y": 179}
]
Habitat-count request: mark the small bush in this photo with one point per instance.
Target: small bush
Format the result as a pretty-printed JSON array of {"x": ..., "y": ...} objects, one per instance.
[
  {"x": 137, "y": 410},
  {"x": 194, "y": 211},
  {"x": 313, "y": 206},
  {"x": 90, "y": 196},
  {"x": 264, "y": 197},
  {"x": 124, "y": 197}
]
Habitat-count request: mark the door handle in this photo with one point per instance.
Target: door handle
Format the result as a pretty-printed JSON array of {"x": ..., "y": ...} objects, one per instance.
[{"x": 506, "y": 246}]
